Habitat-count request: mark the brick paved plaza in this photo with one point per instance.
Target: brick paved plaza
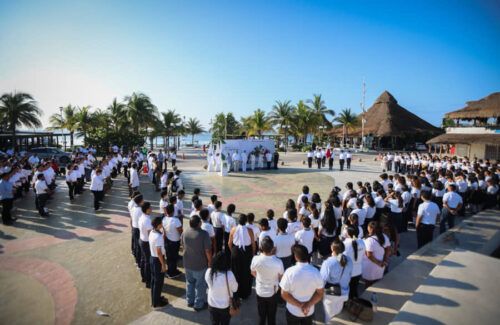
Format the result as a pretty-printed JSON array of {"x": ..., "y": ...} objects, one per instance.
[{"x": 63, "y": 269}]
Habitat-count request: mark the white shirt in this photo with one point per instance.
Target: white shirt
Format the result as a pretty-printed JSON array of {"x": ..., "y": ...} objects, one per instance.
[
  {"x": 267, "y": 233},
  {"x": 293, "y": 227},
  {"x": 97, "y": 183},
  {"x": 361, "y": 213},
  {"x": 268, "y": 269},
  {"x": 155, "y": 241},
  {"x": 255, "y": 229},
  {"x": 379, "y": 202},
  {"x": 41, "y": 187},
  {"x": 299, "y": 199},
  {"x": 394, "y": 205},
  {"x": 229, "y": 223},
  {"x": 218, "y": 296},
  {"x": 71, "y": 177},
  {"x": 428, "y": 211},
  {"x": 305, "y": 237},
  {"x": 218, "y": 219},
  {"x": 208, "y": 228},
  {"x": 170, "y": 224},
  {"x": 349, "y": 251},
  {"x": 164, "y": 180},
  {"x": 134, "y": 178},
  {"x": 452, "y": 199},
  {"x": 294, "y": 282},
  {"x": 372, "y": 271},
  {"x": 144, "y": 227},
  {"x": 136, "y": 214},
  {"x": 163, "y": 204},
  {"x": 283, "y": 244}
]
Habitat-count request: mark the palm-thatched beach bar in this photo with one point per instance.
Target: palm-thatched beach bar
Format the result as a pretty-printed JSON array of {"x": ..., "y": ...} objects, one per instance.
[{"x": 475, "y": 131}]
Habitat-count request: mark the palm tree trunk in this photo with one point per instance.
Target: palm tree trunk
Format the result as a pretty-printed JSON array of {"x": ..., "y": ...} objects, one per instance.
[
  {"x": 14, "y": 137},
  {"x": 71, "y": 138},
  {"x": 192, "y": 139}
]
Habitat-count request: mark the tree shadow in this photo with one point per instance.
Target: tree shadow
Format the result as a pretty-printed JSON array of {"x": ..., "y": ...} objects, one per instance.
[
  {"x": 412, "y": 318},
  {"x": 432, "y": 299},
  {"x": 449, "y": 283}
]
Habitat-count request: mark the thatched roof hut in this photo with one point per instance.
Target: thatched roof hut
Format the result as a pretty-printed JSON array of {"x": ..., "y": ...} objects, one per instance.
[
  {"x": 386, "y": 118},
  {"x": 486, "y": 107}
]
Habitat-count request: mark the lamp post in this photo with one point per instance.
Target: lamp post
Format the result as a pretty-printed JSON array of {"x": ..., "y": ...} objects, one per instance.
[{"x": 62, "y": 129}]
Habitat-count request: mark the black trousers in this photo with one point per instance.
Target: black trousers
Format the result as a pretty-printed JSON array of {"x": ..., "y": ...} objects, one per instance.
[
  {"x": 348, "y": 160},
  {"x": 267, "y": 307},
  {"x": 71, "y": 190},
  {"x": 424, "y": 234},
  {"x": 172, "y": 249},
  {"x": 219, "y": 238},
  {"x": 241, "y": 258},
  {"x": 353, "y": 285},
  {"x": 157, "y": 278},
  {"x": 146, "y": 263},
  {"x": 41, "y": 200},
  {"x": 330, "y": 163},
  {"x": 98, "y": 195},
  {"x": 226, "y": 241},
  {"x": 341, "y": 162},
  {"x": 173, "y": 162},
  {"x": 294, "y": 320},
  {"x": 219, "y": 316},
  {"x": 310, "y": 162},
  {"x": 318, "y": 162},
  {"x": 6, "y": 207},
  {"x": 79, "y": 185},
  {"x": 323, "y": 161},
  {"x": 136, "y": 245}
]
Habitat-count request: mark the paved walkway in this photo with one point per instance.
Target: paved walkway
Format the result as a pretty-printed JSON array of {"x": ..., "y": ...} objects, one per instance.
[{"x": 76, "y": 262}]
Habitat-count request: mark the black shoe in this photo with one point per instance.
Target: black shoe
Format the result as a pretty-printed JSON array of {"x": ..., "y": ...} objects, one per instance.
[
  {"x": 174, "y": 275},
  {"x": 191, "y": 305},
  {"x": 161, "y": 304}
]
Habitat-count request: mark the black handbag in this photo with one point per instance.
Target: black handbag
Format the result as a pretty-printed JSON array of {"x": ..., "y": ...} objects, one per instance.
[{"x": 335, "y": 289}]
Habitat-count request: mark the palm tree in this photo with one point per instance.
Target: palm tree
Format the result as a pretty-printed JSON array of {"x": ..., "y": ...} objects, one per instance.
[
  {"x": 320, "y": 109},
  {"x": 304, "y": 120},
  {"x": 67, "y": 120},
  {"x": 19, "y": 109},
  {"x": 170, "y": 124},
  {"x": 117, "y": 112},
  {"x": 84, "y": 122},
  {"x": 140, "y": 111},
  {"x": 194, "y": 127},
  {"x": 282, "y": 115},
  {"x": 348, "y": 120},
  {"x": 257, "y": 123}
]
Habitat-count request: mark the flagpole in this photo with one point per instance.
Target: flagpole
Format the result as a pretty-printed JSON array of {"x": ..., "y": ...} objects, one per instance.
[{"x": 363, "y": 117}]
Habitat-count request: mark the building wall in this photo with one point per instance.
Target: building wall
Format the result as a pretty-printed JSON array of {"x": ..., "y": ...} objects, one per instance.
[{"x": 477, "y": 150}]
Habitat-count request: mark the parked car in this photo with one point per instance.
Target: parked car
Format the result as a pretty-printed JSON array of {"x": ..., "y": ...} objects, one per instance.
[{"x": 49, "y": 152}]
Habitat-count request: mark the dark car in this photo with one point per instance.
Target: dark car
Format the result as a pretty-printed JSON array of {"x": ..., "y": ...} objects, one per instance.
[{"x": 47, "y": 153}]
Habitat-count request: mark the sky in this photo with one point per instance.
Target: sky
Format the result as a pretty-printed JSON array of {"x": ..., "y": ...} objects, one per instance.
[{"x": 205, "y": 57}]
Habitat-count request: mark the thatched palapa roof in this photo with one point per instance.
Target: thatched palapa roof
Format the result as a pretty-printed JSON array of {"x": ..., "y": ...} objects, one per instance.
[
  {"x": 464, "y": 138},
  {"x": 486, "y": 107},
  {"x": 387, "y": 118}
]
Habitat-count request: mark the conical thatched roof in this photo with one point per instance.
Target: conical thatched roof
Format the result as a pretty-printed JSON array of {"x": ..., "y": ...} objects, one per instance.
[
  {"x": 387, "y": 118},
  {"x": 486, "y": 107}
]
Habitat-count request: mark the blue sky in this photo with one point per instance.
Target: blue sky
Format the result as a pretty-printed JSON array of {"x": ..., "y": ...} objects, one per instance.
[{"x": 204, "y": 57}]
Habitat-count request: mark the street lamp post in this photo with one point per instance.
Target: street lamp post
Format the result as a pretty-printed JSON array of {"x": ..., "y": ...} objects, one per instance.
[{"x": 62, "y": 129}]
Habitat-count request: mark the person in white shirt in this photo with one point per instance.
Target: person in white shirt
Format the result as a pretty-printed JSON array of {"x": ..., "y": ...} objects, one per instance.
[
  {"x": 145, "y": 228},
  {"x": 269, "y": 159},
  {"x": 229, "y": 223},
  {"x": 310, "y": 155},
  {"x": 452, "y": 203},
  {"x": 164, "y": 180},
  {"x": 294, "y": 225},
  {"x": 348, "y": 159},
  {"x": 306, "y": 193},
  {"x": 272, "y": 222},
  {"x": 306, "y": 235},
  {"x": 265, "y": 231},
  {"x": 97, "y": 188},
  {"x": 336, "y": 273},
  {"x": 173, "y": 229},
  {"x": 243, "y": 248},
  {"x": 284, "y": 243},
  {"x": 207, "y": 226},
  {"x": 42, "y": 195},
  {"x": 317, "y": 155},
  {"x": 378, "y": 251},
  {"x": 158, "y": 264},
  {"x": 218, "y": 221},
  {"x": 222, "y": 285},
  {"x": 342, "y": 159},
  {"x": 244, "y": 159},
  {"x": 426, "y": 219},
  {"x": 71, "y": 181},
  {"x": 395, "y": 202},
  {"x": 267, "y": 270},
  {"x": 355, "y": 249},
  {"x": 255, "y": 228},
  {"x": 134, "y": 223},
  {"x": 134, "y": 178},
  {"x": 300, "y": 298},
  {"x": 236, "y": 161}
]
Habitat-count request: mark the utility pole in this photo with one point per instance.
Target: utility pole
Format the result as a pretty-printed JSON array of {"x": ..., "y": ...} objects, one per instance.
[{"x": 363, "y": 120}]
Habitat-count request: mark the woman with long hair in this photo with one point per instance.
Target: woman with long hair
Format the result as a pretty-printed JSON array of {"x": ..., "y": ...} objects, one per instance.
[
  {"x": 378, "y": 251},
  {"x": 355, "y": 249},
  {"x": 327, "y": 231},
  {"x": 395, "y": 202},
  {"x": 222, "y": 285},
  {"x": 336, "y": 273}
]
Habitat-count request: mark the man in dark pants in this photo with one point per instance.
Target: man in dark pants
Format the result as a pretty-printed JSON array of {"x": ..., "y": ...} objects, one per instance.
[
  {"x": 7, "y": 198},
  {"x": 276, "y": 158},
  {"x": 342, "y": 160},
  {"x": 426, "y": 219},
  {"x": 267, "y": 269},
  {"x": 310, "y": 156},
  {"x": 452, "y": 203},
  {"x": 348, "y": 158},
  {"x": 145, "y": 228},
  {"x": 42, "y": 195},
  {"x": 158, "y": 266}
]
